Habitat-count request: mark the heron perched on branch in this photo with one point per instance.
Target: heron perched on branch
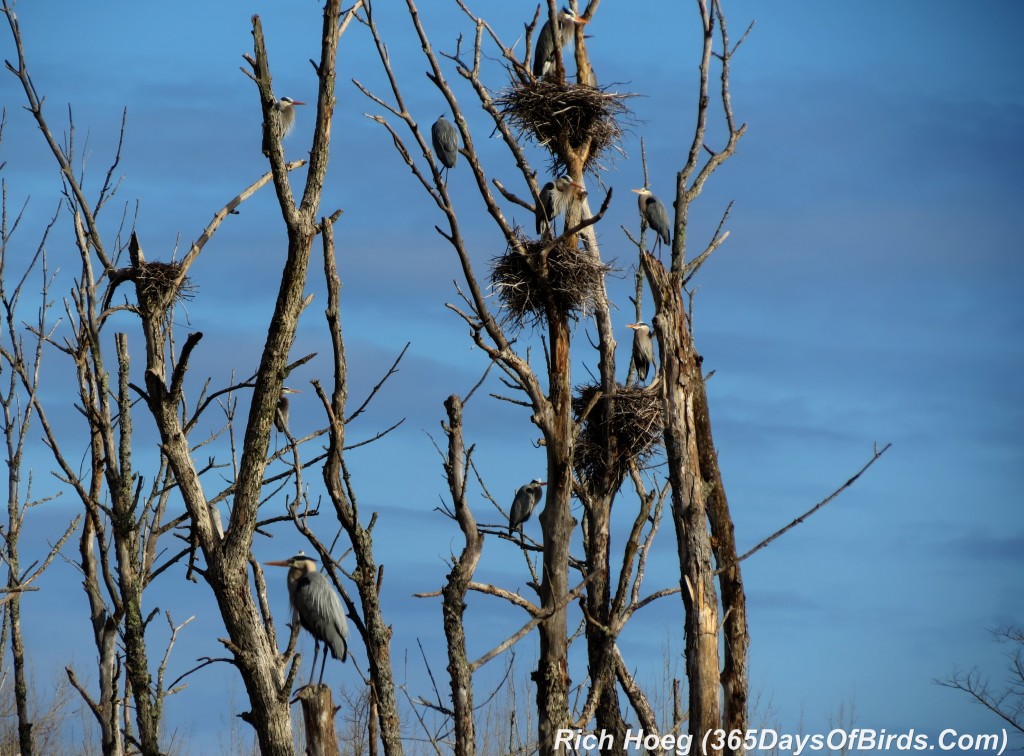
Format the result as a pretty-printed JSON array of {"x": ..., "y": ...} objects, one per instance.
[
  {"x": 285, "y": 108},
  {"x": 643, "y": 349},
  {"x": 281, "y": 413},
  {"x": 522, "y": 506},
  {"x": 445, "y": 139},
  {"x": 653, "y": 211},
  {"x": 555, "y": 198},
  {"x": 317, "y": 608},
  {"x": 550, "y": 42}
]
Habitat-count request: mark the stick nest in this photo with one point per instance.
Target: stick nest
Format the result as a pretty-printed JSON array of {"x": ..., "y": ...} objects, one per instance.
[
  {"x": 155, "y": 283},
  {"x": 571, "y": 277},
  {"x": 564, "y": 117},
  {"x": 632, "y": 432}
]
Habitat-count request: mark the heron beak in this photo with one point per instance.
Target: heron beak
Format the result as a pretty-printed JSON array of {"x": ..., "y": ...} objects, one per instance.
[
  {"x": 277, "y": 564},
  {"x": 543, "y": 484},
  {"x": 634, "y": 326},
  {"x": 581, "y": 21},
  {"x": 298, "y": 102},
  {"x": 638, "y": 191}
]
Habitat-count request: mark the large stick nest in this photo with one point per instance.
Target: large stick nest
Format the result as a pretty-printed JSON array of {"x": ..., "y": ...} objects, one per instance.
[
  {"x": 526, "y": 281},
  {"x": 155, "y": 282},
  {"x": 633, "y": 431},
  {"x": 560, "y": 116}
]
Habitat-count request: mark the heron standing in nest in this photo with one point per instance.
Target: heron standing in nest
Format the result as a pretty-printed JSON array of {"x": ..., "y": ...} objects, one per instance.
[
  {"x": 550, "y": 42},
  {"x": 643, "y": 350},
  {"x": 555, "y": 198}
]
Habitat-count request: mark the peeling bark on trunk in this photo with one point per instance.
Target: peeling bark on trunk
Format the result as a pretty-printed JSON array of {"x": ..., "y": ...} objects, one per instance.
[
  {"x": 454, "y": 591},
  {"x": 318, "y": 716},
  {"x": 556, "y": 521},
  {"x": 681, "y": 382},
  {"x": 730, "y": 580}
]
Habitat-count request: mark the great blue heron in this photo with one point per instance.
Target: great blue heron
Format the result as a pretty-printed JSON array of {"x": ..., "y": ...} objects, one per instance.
[
  {"x": 653, "y": 211},
  {"x": 285, "y": 108},
  {"x": 522, "y": 506},
  {"x": 555, "y": 197},
  {"x": 549, "y": 43},
  {"x": 281, "y": 413},
  {"x": 317, "y": 608},
  {"x": 643, "y": 349},
  {"x": 446, "y": 143}
]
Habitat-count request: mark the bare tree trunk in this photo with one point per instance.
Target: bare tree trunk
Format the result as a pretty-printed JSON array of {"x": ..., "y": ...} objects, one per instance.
[
  {"x": 736, "y": 638},
  {"x": 367, "y": 575},
  {"x": 552, "y": 675},
  {"x": 454, "y": 592},
  {"x": 318, "y": 717},
  {"x": 681, "y": 380},
  {"x": 130, "y": 566}
]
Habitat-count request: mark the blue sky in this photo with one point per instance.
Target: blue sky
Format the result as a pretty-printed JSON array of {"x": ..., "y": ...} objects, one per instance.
[{"x": 869, "y": 292}]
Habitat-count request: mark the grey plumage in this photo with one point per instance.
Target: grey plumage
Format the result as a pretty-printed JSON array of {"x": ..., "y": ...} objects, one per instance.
[
  {"x": 550, "y": 42},
  {"x": 285, "y": 108},
  {"x": 445, "y": 139},
  {"x": 555, "y": 198},
  {"x": 317, "y": 608},
  {"x": 522, "y": 506},
  {"x": 643, "y": 349},
  {"x": 282, "y": 411},
  {"x": 653, "y": 211}
]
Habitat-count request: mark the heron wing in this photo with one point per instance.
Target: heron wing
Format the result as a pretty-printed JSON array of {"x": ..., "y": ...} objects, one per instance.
[
  {"x": 321, "y": 613},
  {"x": 446, "y": 142}
]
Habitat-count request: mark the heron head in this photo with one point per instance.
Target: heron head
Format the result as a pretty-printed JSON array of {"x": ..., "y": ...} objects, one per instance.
[
  {"x": 564, "y": 183},
  {"x": 568, "y": 15},
  {"x": 638, "y": 326},
  {"x": 643, "y": 191},
  {"x": 299, "y": 562},
  {"x": 287, "y": 102},
  {"x": 286, "y": 390}
]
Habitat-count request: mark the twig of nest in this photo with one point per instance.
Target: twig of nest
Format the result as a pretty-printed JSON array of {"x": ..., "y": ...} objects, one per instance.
[
  {"x": 570, "y": 115},
  {"x": 155, "y": 284},
  {"x": 606, "y": 444},
  {"x": 528, "y": 282}
]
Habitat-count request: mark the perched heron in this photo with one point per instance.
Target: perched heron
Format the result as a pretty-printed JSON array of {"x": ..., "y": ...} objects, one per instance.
[
  {"x": 317, "y": 608},
  {"x": 555, "y": 197},
  {"x": 281, "y": 414},
  {"x": 653, "y": 211},
  {"x": 522, "y": 506},
  {"x": 549, "y": 43},
  {"x": 446, "y": 143},
  {"x": 285, "y": 108},
  {"x": 643, "y": 349}
]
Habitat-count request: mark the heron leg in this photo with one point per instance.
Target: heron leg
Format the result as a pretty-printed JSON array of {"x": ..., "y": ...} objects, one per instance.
[
  {"x": 323, "y": 664},
  {"x": 316, "y": 652}
]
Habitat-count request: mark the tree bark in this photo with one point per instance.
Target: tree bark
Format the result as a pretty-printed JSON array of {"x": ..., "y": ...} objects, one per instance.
[
  {"x": 318, "y": 716},
  {"x": 552, "y": 676},
  {"x": 454, "y": 592},
  {"x": 681, "y": 382}
]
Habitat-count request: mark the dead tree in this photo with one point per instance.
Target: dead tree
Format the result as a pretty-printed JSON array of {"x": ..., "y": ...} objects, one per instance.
[
  {"x": 118, "y": 542},
  {"x": 125, "y": 567},
  {"x": 543, "y": 284},
  {"x": 591, "y": 449},
  {"x": 704, "y": 528},
  {"x": 22, "y": 357}
]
